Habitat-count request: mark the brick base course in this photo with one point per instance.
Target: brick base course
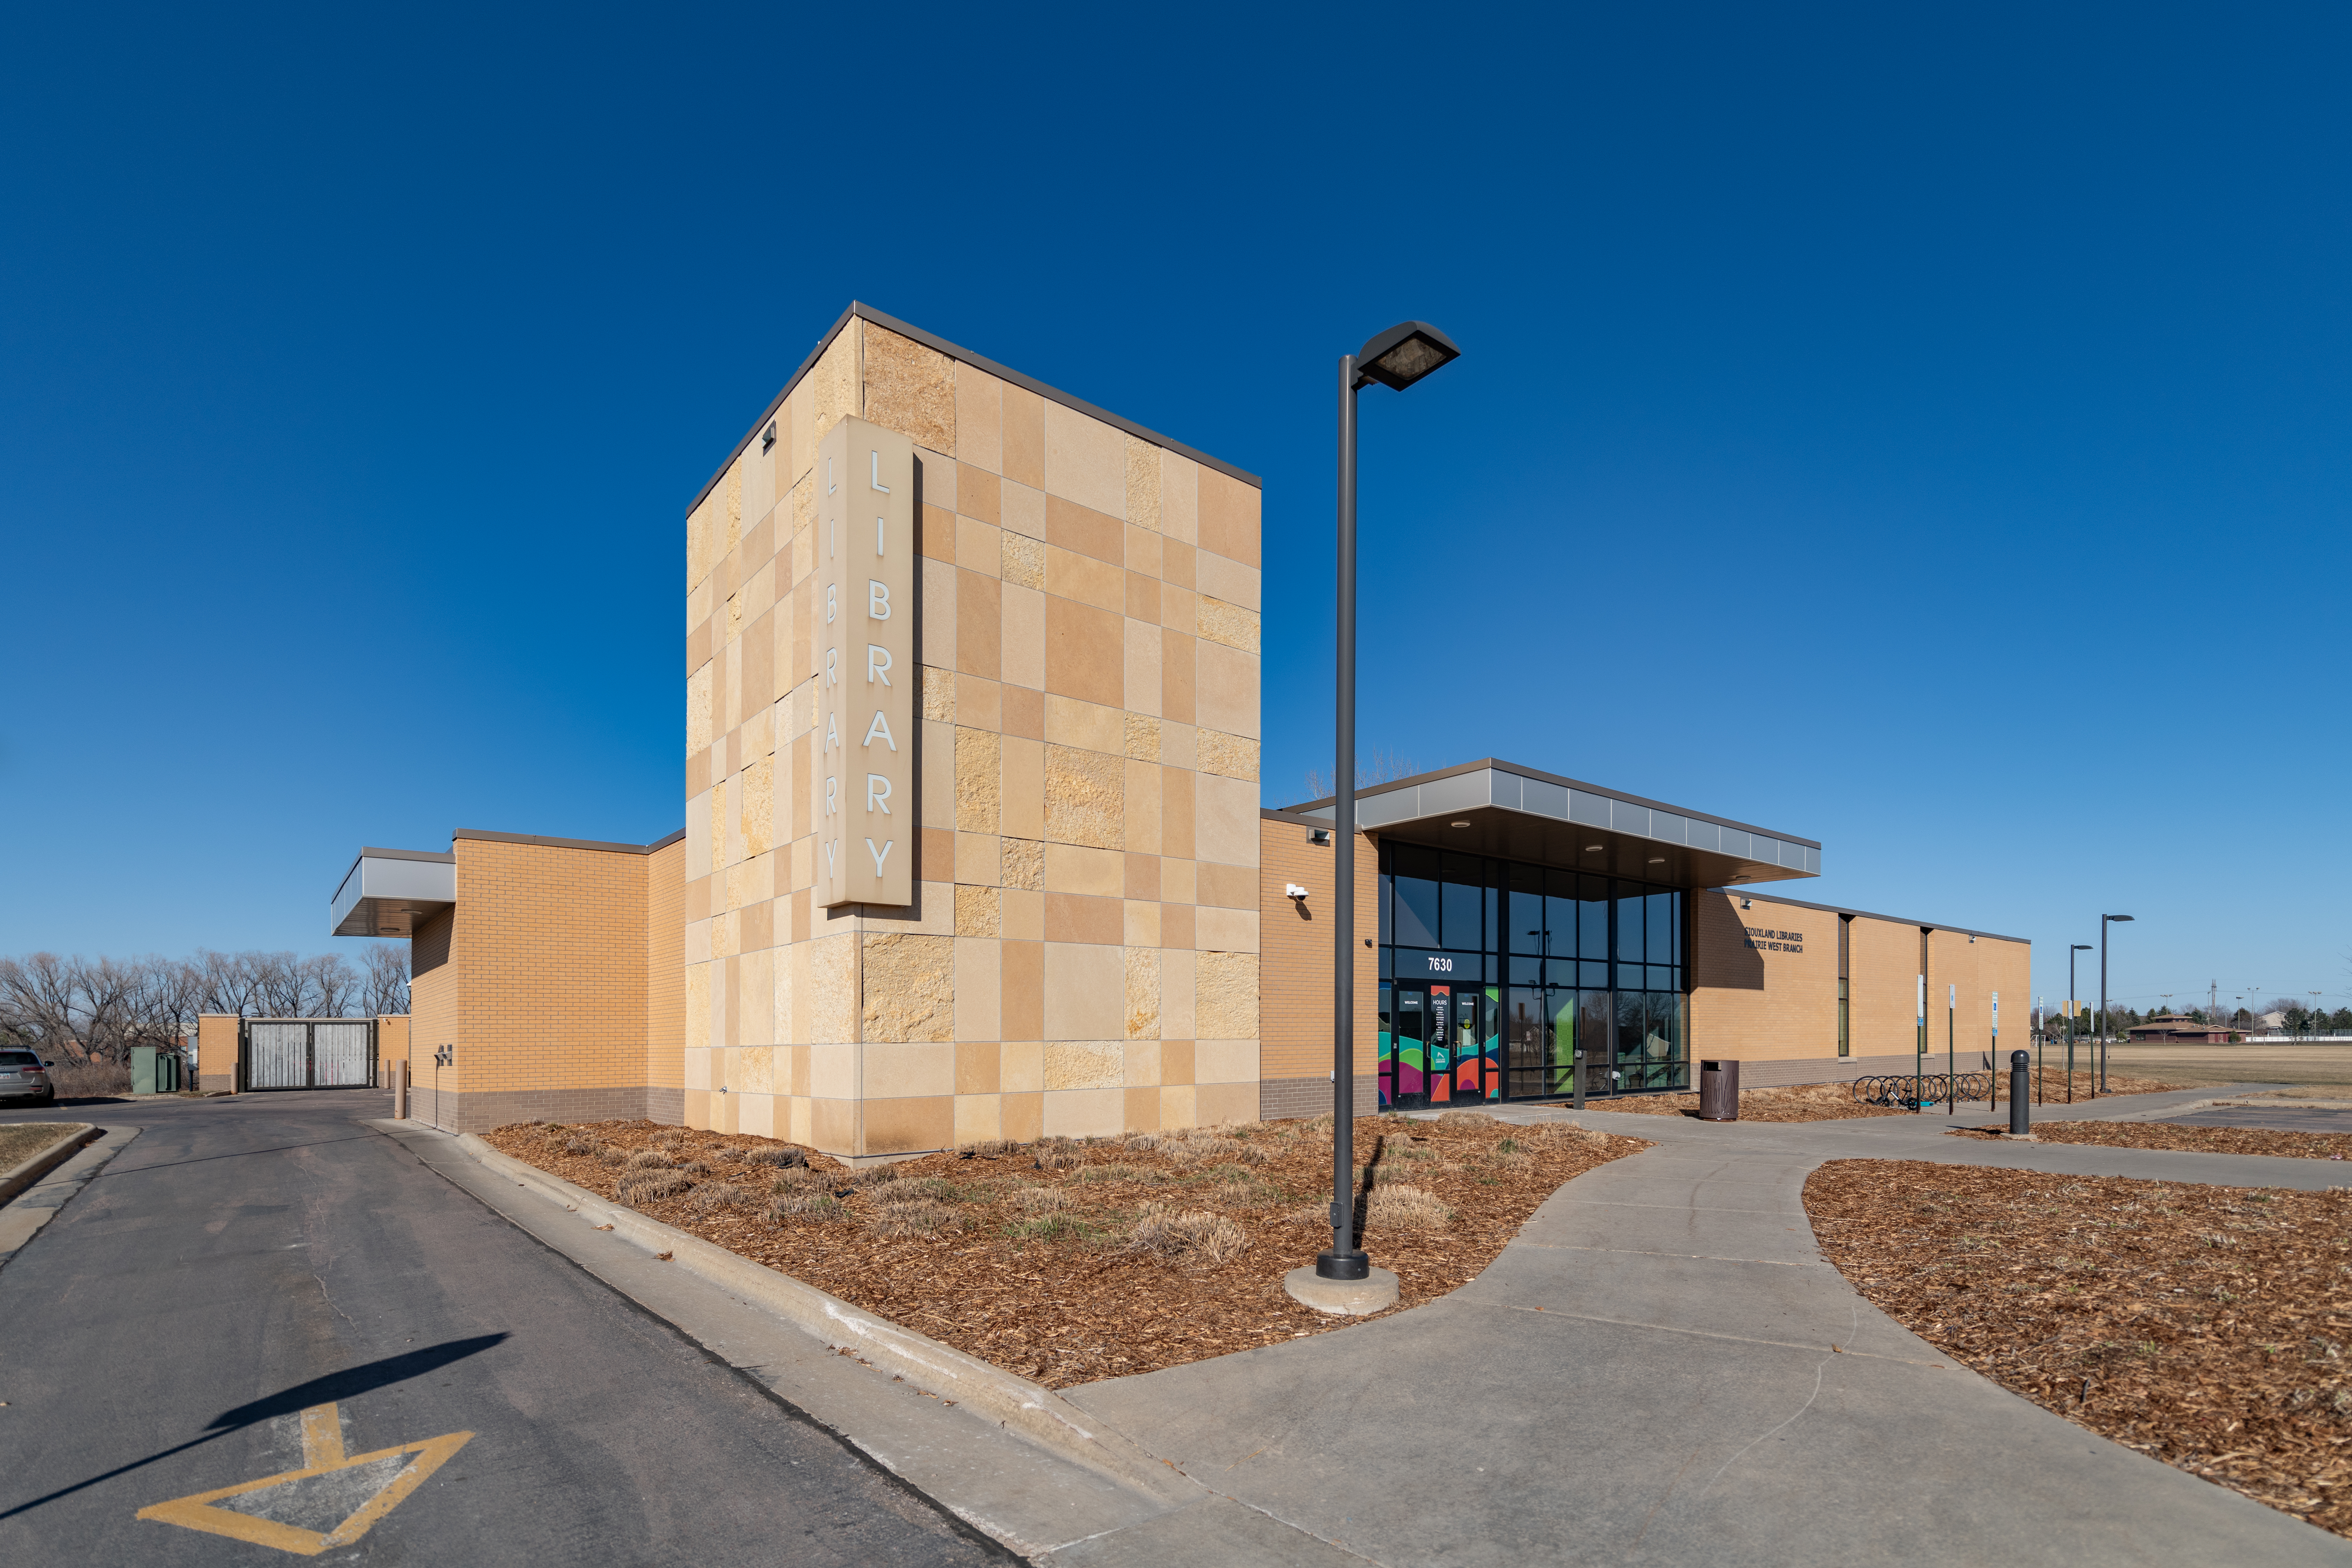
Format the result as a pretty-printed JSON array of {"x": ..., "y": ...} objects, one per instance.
[{"x": 480, "y": 1112}]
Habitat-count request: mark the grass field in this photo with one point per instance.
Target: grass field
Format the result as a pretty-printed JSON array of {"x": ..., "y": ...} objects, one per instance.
[{"x": 2186, "y": 1064}]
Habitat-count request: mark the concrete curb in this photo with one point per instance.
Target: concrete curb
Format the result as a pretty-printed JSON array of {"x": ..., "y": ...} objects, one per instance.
[
  {"x": 23, "y": 1220},
  {"x": 34, "y": 1167},
  {"x": 1032, "y": 1412}
]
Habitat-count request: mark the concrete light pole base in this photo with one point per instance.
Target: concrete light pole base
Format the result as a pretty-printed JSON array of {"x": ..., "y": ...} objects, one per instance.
[{"x": 1342, "y": 1297}]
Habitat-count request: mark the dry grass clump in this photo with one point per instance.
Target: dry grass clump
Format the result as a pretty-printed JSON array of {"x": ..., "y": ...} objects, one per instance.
[
  {"x": 899, "y": 1189},
  {"x": 643, "y": 1186},
  {"x": 805, "y": 1204},
  {"x": 910, "y": 1217},
  {"x": 2279, "y": 1142},
  {"x": 1193, "y": 1235},
  {"x": 1060, "y": 1153},
  {"x": 710, "y": 1196},
  {"x": 774, "y": 1154},
  {"x": 1404, "y": 1207},
  {"x": 988, "y": 1148},
  {"x": 649, "y": 1159},
  {"x": 1041, "y": 1200}
]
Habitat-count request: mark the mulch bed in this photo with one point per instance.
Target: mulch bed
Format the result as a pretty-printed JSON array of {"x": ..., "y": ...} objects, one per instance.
[
  {"x": 2209, "y": 1327},
  {"x": 1070, "y": 1260},
  {"x": 1836, "y": 1101},
  {"x": 2192, "y": 1139}
]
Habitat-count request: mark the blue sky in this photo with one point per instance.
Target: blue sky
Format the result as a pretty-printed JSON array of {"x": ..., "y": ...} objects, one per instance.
[{"x": 1925, "y": 433}]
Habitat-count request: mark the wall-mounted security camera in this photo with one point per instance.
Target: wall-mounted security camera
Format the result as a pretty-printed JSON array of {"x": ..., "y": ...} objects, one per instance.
[{"x": 1293, "y": 891}]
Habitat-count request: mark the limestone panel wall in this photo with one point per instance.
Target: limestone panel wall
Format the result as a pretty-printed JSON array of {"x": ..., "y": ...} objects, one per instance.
[
  {"x": 1082, "y": 953},
  {"x": 665, "y": 979},
  {"x": 1295, "y": 1009}
]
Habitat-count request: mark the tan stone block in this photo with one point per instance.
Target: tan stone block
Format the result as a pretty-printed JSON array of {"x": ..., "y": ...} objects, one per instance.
[
  {"x": 1086, "y": 461},
  {"x": 833, "y": 1126},
  {"x": 1176, "y": 1061},
  {"x": 939, "y": 694},
  {"x": 1142, "y": 964},
  {"x": 802, "y": 1122},
  {"x": 1143, "y": 484},
  {"x": 1085, "y": 531},
  {"x": 979, "y": 418},
  {"x": 725, "y": 930},
  {"x": 979, "y": 700},
  {"x": 695, "y": 1109},
  {"x": 1023, "y": 711},
  {"x": 894, "y": 1070},
  {"x": 1143, "y": 877},
  {"x": 1228, "y": 517},
  {"x": 1024, "y": 437},
  {"x": 979, "y": 982},
  {"x": 979, "y": 494},
  {"x": 833, "y": 384},
  {"x": 1086, "y": 725},
  {"x": 909, "y": 988},
  {"x": 1086, "y": 1113},
  {"x": 759, "y": 808},
  {"x": 1225, "y": 996},
  {"x": 1023, "y": 809},
  {"x": 980, "y": 546},
  {"x": 979, "y": 624},
  {"x": 1022, "y": 1067},
  {"x": 1085, "y": 985},
  {"x": 831, "y": 1011},
  {"x": 1226, "y": 690},
  {"x": 1085, "y": 802},
  {"x": 1024, "y": 863},
  {"x": 1225, "y": 1104},
  {"x": 1142, "y": 595},
  {"x": 1176, "y": 676},
  {"x": 1021, "y": 560},
  {"x": 1142, "y": 1107},
  {"x": 1082, "y": 918},
  {"x": 980, "y": 861},
  {"x": 1176, "y": 1107},
  {"x": 1225, "y": 1061},
  {"x": 935, "y": 477},
  {"x": 1087, "y": 1064},
  {"x": 1180, "y": 485},
  {"x": 939, "y": 584},
  {"x": 1143, "y": 823},
  {"x": 1025, "y": 915},
  {"x": 1236, "y": 585},
  {"x": 1021, "y": 510},
  {"x": 1226, "y": 886},
  {"x": 1025, "y": 1117},
  {"x": 698, "y": 731},
  {"x": 1228, "y": 624},
  {"x": 1236, "y": 930},
  {"x": 1086, "y": 652},
  {"x": 1072, "y": 869},
  {"x": 1228, "y": 756},
  {"x": 979, "y": 1118},
  {"x": 908, "y": 1126},
  {"x": 980, "y": 771},
  {"x": 833, "y": 1071},
  {"x": 1022, "y": 999},
  {"x": 1141, "y": 737},
  {"x": 1026, "y": 630},
  {"x": 910, "y": 388},
  {"x": 697, "y": 1008},
  {"x": 1084, "y": 579},
  {"x": 1225, "y": 820},
  {"x": 979, "y": 911},
  {"x": 977, "y": 1065},
  {"x": 1142, "y": 924}
]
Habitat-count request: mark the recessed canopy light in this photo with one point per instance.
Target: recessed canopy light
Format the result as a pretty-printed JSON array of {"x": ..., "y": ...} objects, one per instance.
[
  {"x": 1461, "y": 824},
  {"x": 1657, "y": 859},
  {"x": 1592, "y": 849}
]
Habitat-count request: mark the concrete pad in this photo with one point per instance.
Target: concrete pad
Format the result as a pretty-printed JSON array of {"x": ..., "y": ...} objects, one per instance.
[
  {"x": 1376, "y": 1292},
  {"x": 1216, "y": 1533}
]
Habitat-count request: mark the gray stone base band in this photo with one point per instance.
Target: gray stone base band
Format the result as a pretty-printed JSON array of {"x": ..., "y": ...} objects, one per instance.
[
  {"x": 480, "y": 1112},
  {"x": 1281, "y": 1098}
]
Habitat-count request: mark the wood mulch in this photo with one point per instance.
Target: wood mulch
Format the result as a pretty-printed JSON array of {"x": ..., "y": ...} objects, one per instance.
[
  {"x": 2191, "y": 1140},
  {"x": 1836, "y": 1101},
  {"x": 1043, "y": 1261},
  {"x": 2209, "y": 1327},
  {"x": 20, "y": 1141}
]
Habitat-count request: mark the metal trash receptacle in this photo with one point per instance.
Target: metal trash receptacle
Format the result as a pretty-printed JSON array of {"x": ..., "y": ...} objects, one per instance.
[{"x": 1719, "y": 1091}]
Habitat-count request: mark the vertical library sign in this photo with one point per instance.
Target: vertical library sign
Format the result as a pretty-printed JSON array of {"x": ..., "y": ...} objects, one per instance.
[{"x": 867, "y": 829}]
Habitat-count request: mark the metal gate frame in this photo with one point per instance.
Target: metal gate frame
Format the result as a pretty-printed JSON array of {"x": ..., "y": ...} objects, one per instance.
[{"x": 309, "y": 1055}]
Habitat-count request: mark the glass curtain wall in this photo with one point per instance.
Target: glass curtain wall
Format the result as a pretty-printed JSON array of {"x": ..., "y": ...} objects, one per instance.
[{"x": 1498, "y": 979}]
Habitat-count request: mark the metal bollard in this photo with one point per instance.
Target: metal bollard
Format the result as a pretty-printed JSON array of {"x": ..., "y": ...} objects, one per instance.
[{"x": 2018, "y": 1127}]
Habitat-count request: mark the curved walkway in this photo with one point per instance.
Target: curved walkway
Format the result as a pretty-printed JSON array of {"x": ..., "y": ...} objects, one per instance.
[{"x": 1663, "y": 1369}]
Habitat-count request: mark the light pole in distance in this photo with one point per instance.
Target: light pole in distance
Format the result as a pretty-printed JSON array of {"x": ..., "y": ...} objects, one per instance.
[
  {"x": 2104, "y": 921},
  {"x": 1395, "y": 359},
  {"x": 2078, "y": 947}
]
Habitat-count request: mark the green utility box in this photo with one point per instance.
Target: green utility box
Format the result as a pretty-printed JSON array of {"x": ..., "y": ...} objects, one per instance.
[{"x": 153, "y": 1070}]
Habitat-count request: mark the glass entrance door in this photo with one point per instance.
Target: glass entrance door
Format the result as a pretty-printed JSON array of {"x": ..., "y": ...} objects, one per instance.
[{"x": 1439, "y": 1046}]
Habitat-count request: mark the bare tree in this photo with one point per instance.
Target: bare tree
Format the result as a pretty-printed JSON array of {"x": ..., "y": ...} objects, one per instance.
[
  {"x": 1384, "y": 766},
  {"x": 386, "y": 984}
]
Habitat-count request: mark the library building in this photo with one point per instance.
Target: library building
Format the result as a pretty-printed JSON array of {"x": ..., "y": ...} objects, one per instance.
[{"x": 974, "y": 844}]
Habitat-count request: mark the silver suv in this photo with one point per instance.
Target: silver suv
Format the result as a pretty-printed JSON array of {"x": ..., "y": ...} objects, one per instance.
[{"x": 25, "y": 1076}]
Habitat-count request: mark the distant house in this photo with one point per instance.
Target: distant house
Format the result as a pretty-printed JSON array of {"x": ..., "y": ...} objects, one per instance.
[
  {"x": 2173, "y": 1028},
  {"x": 2273, "y": 1022}
]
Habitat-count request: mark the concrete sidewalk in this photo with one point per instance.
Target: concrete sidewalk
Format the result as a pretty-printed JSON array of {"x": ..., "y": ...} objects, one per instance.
[{"x": 1661, "y": 1368}]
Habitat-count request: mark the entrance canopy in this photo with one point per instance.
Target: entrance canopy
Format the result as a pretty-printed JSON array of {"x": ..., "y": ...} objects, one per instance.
[
  {"x": 390, "y": 892},
  {"x": 1497, "y": 808}
]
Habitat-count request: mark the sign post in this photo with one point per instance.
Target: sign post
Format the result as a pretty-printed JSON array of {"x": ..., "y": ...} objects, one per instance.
[
  {"x": 1952, "y": 1051},
  {"x": 1919, "y": 1048}
]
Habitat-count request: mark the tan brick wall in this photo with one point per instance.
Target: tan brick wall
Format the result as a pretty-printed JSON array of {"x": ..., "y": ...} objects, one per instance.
[
  {"x": 1295, "y": 1010},
  {"x": 391, "y": 1044},
  {"x": 216, "y": 1051},
  {"x": 1082, "y": 953}
]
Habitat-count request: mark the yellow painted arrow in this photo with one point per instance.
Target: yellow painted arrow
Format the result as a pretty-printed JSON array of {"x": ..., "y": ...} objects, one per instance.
[{"x": 322, "y": 1454}]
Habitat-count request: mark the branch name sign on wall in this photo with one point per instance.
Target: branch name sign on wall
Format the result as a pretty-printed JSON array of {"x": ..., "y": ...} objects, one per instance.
[
  {"x": 1764, "y": 941},
  {"x": 863, "y": 739}
]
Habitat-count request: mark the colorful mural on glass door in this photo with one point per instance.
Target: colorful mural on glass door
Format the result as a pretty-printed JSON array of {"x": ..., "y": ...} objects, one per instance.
[{"x": 1439, "y": 1045}]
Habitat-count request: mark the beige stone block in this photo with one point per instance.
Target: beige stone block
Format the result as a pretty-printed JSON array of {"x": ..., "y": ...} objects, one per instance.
[
  {"x": 1021, "y": 560},
  {"x": 911, "y": 1124},
  {"x": 1236, "y": 930},
  {"x": 936, "y": 760},
  {"x": 1178, "y": 966},
  {"x": 1022, "y": 813},
  {"x": 979, "y": 1118},
  {"x": 759, "y": 1010},
  {"x": 758, "y": 785},
  {"x": 833, "y": 1071},
  {"x": 980, "y": 983},
  {"x": 1021, "y": 657},
  {"x": 1176, "y": 1107},
  {"x": 1143, "y": 484},
  {"x": 800, "y": 1123},
  {"x": 832, "y": 382},
  {"x": 1086, "y": 1113},
  {"x": 1215, "y": 577},
  {"x": 1086, "y": 461},
  {"x": 725, "y": 931},
  {"x": 790, "y": 965},
  {"x": 698, "y": 942},
  {"x": 980, "y": 547},
  {"x": 1225, "y": 820},
  {"x": 1025, "y": 915},
  {"x": 757, "y": 1115},
  {"x": 1023, "y": 862},
  {"x": 896, "y": 1072},
  {"x": 979, "y": 787},
  {"x": 1225, "y": 624},
  {"x": 697, "y": 1002},
  {"x": 1179, "y": 745},
  {"x": 1224, "y": 688},
  {"x": 909, "y": 988},
  {"x": 1084, "y": 579},
  {"x": 979, "y": 911},
  {"x": 1089, "y": 726},
  {"x": 758, "y": 1066},
  {"x": 1084, "y": 1064},
  {"x": 1179, "y": 881},
  {"x": 979, "y": 418},
  {"x": 939, "y": 694},
  {"x": 1228, "y": 756},
  {"x": 1022, "y": 510},
  {"x": 1140, "y": 736},
  {"x": 1145, "y": 659},
  {"x": 1084, "y": 797},
  {"x": 1085, "y": 987},
  {"x": 832, "y": 989},
  {"x": 698, "y": 710},
  {"x": 935, "y": 477},
  {"x": 1024, "y": 437},
  {"x": 1226, "y": 1061},
  {"x": 909, "y": 388},
  {"x": 1225, "y": 996},
  {"x": 1142, "y": 1064},
  {"x": 1142, "y": 966},
  {"x": 1142, "y": 823},
  {"x": 1180, "y": 498},
  {"x": 980, "y": 861},
  {"x": 1096, "y": 873},
  {"x": 700, "y": 1069},
  {"x": 937, "y": 582},
  {"x": 1142, "y": 923},
  {"x": 1020, "y": 1069}
]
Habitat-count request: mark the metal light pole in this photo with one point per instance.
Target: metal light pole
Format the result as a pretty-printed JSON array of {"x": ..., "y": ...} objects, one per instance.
[
  {"x": 2104, "y": 921},
  {"x": 2078, "y": 947},
  {"x": 1396, "y": 359}
]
